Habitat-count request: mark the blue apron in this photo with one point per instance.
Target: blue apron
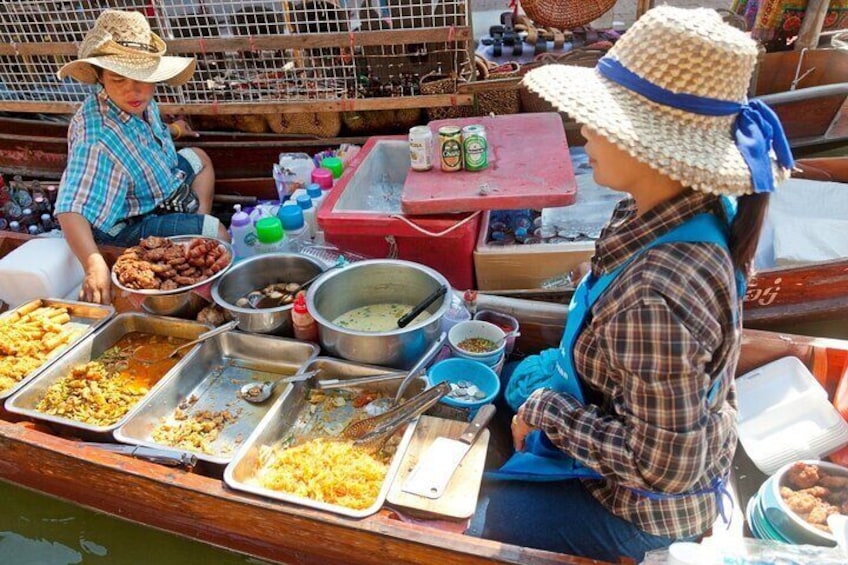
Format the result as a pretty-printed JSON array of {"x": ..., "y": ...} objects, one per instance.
[{"x": 541, "y": 460}]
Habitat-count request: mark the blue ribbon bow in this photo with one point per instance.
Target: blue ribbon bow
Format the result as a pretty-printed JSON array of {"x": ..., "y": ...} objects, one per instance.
[{"x": 756, "y": 131}]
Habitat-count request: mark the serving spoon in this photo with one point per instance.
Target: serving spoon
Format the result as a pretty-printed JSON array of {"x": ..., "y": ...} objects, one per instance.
[
  {"x": 260, "y": 301},
  {"x": 257, "y": 392},
  {"x": 139, "y": 354}
]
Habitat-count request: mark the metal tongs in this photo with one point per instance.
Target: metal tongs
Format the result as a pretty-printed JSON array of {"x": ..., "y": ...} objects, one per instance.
[{"x": 373, "y": 432}]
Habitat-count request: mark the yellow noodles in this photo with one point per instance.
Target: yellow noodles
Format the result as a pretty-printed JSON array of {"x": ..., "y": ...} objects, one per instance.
[{"x": 327, "y": 471}]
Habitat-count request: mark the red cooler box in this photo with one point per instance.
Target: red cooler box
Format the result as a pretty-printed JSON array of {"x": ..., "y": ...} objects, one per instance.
[{"x": 363, "y": 214}]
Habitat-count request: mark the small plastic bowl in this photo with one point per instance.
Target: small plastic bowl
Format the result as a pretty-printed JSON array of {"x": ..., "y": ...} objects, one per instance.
[
  {"x": 455, "y": 370},
  {"x": 471, "y": 329}
]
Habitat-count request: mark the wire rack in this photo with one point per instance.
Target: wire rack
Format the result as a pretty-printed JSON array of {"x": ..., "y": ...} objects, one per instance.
[{"x": 250, "y": 54}]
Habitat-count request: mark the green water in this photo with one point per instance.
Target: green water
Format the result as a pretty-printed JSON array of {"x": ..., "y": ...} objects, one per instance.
[{"x": 39, "y": 530}]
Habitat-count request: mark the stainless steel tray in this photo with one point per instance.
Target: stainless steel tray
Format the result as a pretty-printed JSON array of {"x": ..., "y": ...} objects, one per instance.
[
  {"x": 289, "y": 416},
  {"x": 83, "y": 314},
  {"x": 214, "y": 377},
  {"x": 24, "y": 402}
]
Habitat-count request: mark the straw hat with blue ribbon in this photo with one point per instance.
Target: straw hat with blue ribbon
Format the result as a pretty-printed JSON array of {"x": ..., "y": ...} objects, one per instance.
[
  {"x": 122, "y": 42},
  {"x": 672, "y": 92}
]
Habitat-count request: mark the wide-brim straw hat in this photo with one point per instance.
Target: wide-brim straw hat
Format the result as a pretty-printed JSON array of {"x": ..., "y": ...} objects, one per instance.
[
  {"x": 689, "y": 51},
  {"x": 122, "y": 42}
]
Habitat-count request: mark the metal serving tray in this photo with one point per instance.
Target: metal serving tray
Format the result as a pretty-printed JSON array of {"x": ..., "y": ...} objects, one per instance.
[
  {"x": 24, "y": 402},
  {"x": 214, "y": 377},
  {"x": 83, "y": 314},
  {"x": 283, "y": 420}
]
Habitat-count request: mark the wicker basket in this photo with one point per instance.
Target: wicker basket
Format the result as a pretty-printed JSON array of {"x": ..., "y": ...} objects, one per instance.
[
  {"x": 565, "y": 14},
  {"x": 371, "y": 122},
  {"x": 437, "y": 83},
  {"x": 501, "y": 101},
  {"x": 319, "y": 124}
]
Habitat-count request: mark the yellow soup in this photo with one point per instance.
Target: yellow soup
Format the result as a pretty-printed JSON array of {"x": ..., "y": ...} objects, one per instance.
[{"x": 377, "y": 317}]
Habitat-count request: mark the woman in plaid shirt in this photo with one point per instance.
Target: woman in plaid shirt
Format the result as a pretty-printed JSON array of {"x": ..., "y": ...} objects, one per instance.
[
  {"x": 638, "y": 401},
  {"x": 125, "y": 180}
]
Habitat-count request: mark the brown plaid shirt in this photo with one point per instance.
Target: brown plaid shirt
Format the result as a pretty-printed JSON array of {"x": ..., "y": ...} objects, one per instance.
[{"x": 660, "y": 335}]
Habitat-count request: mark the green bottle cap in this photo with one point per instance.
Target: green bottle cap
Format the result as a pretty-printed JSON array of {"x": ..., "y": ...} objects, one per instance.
[
  {"x": 334, "y": 164},
  {"x": 269, "y": 230}
]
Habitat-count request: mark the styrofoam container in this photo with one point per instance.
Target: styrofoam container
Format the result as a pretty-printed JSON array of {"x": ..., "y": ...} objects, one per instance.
[
  {"x": 40, "y": 268},
  {"x": 785, "y": 415}
]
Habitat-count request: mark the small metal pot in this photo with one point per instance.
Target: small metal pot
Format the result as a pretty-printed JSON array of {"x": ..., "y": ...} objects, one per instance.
[
  {"x": 256, "y": 273},
  {"x": 377, "y": 281}
]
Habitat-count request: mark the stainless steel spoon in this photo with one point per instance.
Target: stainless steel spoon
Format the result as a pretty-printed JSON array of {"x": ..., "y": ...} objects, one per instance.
[
  {"x": 139, "y": 354},
  {"x": 257, "y": 392}
]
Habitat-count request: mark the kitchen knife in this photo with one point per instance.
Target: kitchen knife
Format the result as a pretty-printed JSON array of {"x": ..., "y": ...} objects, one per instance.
[{"x": 431, "y": 476}]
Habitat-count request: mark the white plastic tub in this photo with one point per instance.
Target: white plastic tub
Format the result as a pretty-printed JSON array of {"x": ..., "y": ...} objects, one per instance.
[{"x": 40, "y": 268}]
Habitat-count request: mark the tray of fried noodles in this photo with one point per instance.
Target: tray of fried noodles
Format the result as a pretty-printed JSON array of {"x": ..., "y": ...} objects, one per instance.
[{"x": 297, "y": 454}]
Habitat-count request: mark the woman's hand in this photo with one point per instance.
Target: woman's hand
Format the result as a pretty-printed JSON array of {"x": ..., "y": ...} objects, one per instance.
[
  {"x": 520, "y": 429},
  {"x": 97, "y": 284},
  {"x": 180, "y": 128}
]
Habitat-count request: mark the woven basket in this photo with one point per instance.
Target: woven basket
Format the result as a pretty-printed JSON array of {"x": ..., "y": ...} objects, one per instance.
[
  {"x": 319, "y": 124},
  {"x": 565, "y": 14},
  {"x": 371, "y": 122},
  {"x": 437, "y": 83},
  {"x": 501, "y": 101}
]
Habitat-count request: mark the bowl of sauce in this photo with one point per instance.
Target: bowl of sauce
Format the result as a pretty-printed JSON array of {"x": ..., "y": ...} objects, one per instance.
[{"x": 477, "y": 340}]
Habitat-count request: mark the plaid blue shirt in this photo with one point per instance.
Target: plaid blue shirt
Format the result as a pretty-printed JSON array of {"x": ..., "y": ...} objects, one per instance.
[{"x": 119, "y": 165}]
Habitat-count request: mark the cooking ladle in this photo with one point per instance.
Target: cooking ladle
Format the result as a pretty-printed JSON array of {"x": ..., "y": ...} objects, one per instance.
[
  {"x": 256, "y": 392},
  {"x": 260, "y": 301},
  {"x": 404, "y": 320},
  {"x": 139, "y": 354}
]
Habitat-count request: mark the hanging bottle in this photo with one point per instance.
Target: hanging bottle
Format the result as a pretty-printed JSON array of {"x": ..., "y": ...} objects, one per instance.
[{"x": 303, "y": 323}]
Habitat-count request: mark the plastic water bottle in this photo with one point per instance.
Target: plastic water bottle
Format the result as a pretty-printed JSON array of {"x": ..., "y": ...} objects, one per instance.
[
  {"x": 291, "y": 216},
  {"x": 242, "y": 234},
  {"x": 270, "y": 237},
  {"x": 316, "y": 194},
  {"x": 305, "y": 204}
]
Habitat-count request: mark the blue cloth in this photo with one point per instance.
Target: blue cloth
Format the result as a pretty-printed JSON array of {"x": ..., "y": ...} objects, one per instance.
[
  {"x": 757, "y": 129},
  {"x": 129, "y": 232},
  {"x": 119, "y": 165},
  {"x": 541, "y": 460}
]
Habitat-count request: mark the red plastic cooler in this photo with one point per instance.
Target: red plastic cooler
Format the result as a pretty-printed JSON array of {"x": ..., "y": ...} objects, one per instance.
[{"x": 360, "y": 214}]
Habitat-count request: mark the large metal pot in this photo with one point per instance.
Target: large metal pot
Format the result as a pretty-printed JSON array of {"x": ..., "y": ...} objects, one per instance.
[
  {"x": 256, "y": 273},
  {"x": 377, "y": 281}
]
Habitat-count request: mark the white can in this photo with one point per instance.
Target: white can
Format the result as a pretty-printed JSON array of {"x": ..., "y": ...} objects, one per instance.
[{"x": 421, "y": 148}]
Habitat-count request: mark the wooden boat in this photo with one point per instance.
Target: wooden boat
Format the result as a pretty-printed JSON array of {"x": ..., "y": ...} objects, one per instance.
[{"x": 200, "y": 507}]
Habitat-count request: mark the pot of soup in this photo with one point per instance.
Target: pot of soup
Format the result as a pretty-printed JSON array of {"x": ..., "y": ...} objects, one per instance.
[{"x": 357, "y": 309}]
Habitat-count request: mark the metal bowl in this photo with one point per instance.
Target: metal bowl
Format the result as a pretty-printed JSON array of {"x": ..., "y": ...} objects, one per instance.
[
  {"x": 256, "y": 273},
  {"x": 185, "y": 301},
  {"x": 377, "y": 281}
]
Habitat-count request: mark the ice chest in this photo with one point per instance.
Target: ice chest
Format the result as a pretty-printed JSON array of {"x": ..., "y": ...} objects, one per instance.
[
  {"x": 363, "y": 214},
  {"x": 39, "y": 268}
]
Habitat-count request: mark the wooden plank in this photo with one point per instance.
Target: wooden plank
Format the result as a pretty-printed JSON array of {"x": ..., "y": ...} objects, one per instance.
[
  {"x": 460, "y": 497},
  {"x": 811, "y": 25},
  {"x": 839, "y": 127},
  {"x": 266, "y": 43}
]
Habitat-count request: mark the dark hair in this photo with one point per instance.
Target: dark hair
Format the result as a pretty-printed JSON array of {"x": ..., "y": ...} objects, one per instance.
[{"x": 745, "y": 230}]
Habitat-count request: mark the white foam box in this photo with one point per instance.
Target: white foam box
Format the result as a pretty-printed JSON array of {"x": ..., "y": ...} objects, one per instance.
[
  {"x": 785, "y": 415},
  {"x": 39, "y": 268}
]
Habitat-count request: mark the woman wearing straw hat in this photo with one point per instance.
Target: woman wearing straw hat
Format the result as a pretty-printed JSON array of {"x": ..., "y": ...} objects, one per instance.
[
  {"x": 125, "y": 180},
  {"x": 638, "y": 401}
]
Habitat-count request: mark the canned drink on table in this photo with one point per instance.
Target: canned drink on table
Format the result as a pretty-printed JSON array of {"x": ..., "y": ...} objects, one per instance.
[
  {"x": 421, "y": 148},
  {"x": 450, "y": 148},
  {"x": 475, "y": 147}
]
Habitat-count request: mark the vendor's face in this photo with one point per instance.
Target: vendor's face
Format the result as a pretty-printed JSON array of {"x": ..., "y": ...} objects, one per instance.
[
  {"x": 129, "y": 95},
  {"x": 611, "y": 166}
]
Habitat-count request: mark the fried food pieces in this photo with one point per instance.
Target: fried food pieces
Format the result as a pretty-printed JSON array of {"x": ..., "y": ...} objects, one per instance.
[
  {"x": 157, "y": 263},
  {"x": 813, "y": 494}
]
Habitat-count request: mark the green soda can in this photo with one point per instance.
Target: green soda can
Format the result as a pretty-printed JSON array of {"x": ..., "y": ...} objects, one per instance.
[{"x": 475, "y": 147}]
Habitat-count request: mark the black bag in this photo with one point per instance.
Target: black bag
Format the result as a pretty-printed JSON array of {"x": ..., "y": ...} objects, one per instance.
[{"x": 182, "y": 200}]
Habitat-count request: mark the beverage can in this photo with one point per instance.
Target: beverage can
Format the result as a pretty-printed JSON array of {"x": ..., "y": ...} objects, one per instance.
[
  {"x": 421, "y": 148},
  {"x": 450, "y": 148},
  {"x": 475, "y": 147}
]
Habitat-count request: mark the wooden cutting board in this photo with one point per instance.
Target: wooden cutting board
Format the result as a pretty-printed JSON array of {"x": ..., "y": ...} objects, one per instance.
[{"x": 460, "y": 498}]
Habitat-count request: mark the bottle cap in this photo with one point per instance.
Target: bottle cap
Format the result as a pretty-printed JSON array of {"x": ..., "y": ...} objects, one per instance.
[
  {"x": 45, "y": 217},
  {"x": 300, "y": 304},
  {"x": 269, "y": 230},
  {"x": 240, "y": 218},
  {"x": 323, "y": 178},
  {"x": 291, "y": 217},
  {"x": 304, "y": 201},
  {"x": 313, "y": 190},
  {"x": 334, "y": 164}
]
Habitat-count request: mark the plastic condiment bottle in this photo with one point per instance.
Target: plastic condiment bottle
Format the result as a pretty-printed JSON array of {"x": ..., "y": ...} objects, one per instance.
[
  {"x": 323, "y": 178},
  {"x": 305, "y": 204},
  {"x": 242, "y": 234},
  {"x": 291, "y": 216},
  {"x": 334, "y": 164},
  {"x": 303, "y": 323},
  {"x": 270, "y": 237}
]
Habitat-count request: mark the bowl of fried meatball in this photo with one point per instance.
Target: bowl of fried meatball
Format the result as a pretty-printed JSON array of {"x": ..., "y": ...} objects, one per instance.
[{"x": 171, "y": 274}]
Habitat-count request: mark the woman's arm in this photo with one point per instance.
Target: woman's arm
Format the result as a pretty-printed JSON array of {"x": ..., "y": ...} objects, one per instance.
[{"x": 97, "y": 285}]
